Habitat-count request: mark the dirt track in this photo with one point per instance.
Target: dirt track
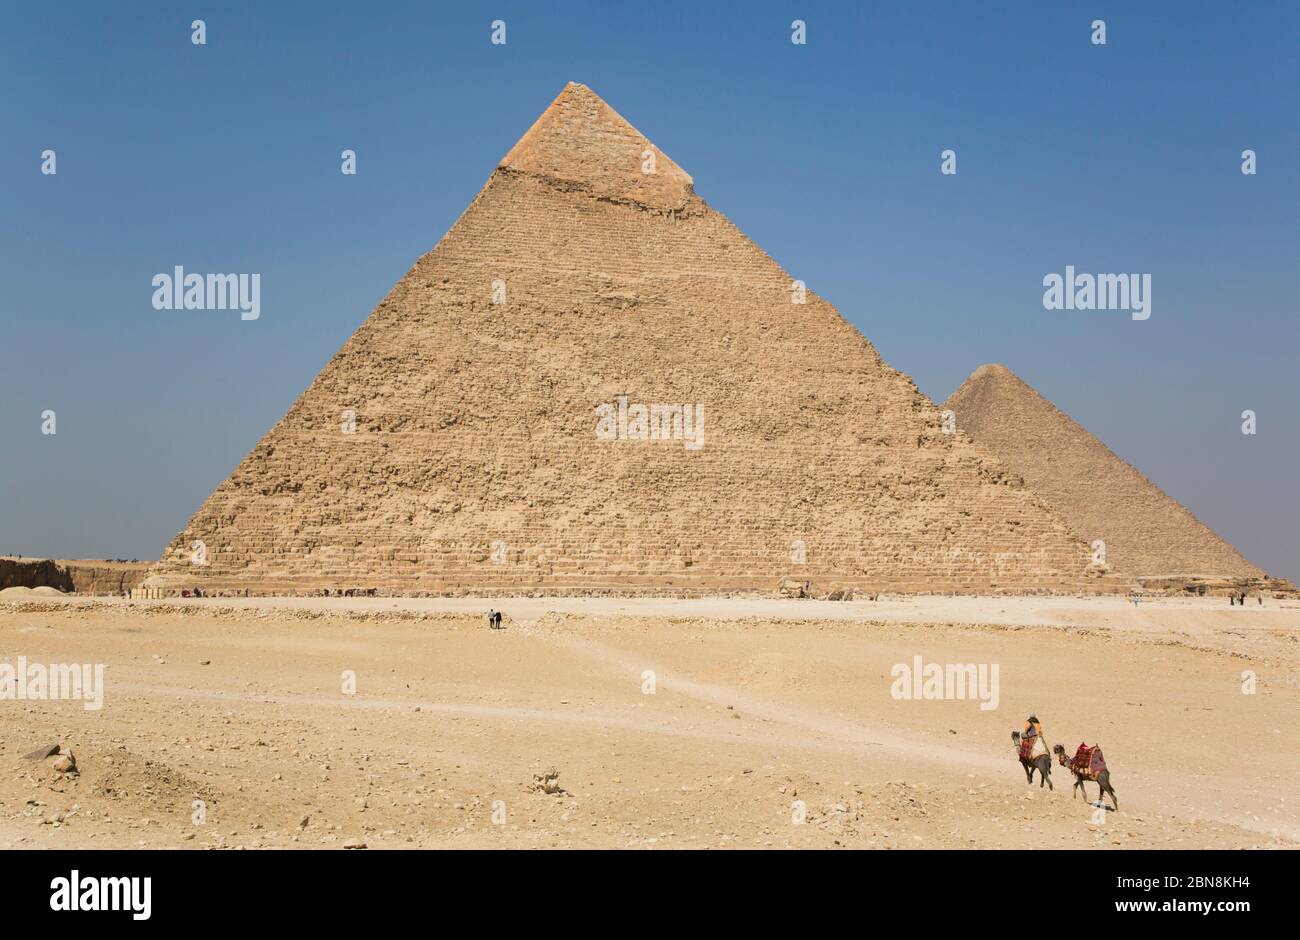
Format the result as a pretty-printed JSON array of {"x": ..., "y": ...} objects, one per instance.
[{"x": 759, "y": 707}]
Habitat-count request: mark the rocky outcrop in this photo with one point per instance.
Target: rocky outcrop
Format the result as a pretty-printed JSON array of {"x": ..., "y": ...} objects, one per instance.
[
  {"x": 80, "y": 576},
  {"x": 33, "y": 573}
]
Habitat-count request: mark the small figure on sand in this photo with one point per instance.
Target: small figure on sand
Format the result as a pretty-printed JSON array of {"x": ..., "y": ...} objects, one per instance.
[{"x": 494, "y": 619}]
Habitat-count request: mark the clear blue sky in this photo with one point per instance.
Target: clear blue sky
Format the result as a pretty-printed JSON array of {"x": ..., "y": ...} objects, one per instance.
[{"x": 225, "y": 157}]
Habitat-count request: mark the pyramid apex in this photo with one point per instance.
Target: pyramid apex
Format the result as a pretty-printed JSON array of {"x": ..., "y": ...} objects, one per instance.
[
  {"x": 999, "y": 376},
  {"x": 581, "y": 139}
]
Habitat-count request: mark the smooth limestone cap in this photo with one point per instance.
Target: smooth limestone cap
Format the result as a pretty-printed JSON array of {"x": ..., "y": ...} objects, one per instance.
[{"x": 579, "y": 139}]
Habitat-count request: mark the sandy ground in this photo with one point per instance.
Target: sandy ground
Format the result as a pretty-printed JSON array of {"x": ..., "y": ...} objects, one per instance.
[{"x": 770, "y": 723}]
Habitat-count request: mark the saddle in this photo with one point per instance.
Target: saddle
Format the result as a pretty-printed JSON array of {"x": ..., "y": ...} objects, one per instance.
[
  {"x": 1032, "y": 747},
  {"x": 1088, "y": 760}
]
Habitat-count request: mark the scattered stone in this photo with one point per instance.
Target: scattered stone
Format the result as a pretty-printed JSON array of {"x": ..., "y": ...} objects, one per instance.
[{"x": 548, "y": 782}]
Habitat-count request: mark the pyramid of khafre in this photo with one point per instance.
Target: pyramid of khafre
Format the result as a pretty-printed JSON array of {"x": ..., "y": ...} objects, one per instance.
[
  {"x": 595, "y": 382},
  {"x": 1146, "y": 533}
]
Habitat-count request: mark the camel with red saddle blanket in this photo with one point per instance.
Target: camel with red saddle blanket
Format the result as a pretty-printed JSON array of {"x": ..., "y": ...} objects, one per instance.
[
  {"x": 1088, "y": 764},
  {"x": 1032, "y": 751}
]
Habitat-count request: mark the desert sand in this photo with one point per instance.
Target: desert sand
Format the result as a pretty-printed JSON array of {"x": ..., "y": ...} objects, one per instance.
[{"x": 771, "y": 723}]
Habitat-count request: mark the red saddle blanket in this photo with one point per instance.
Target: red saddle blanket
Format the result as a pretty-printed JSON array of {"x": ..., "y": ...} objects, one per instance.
[
  {"x": 1026, "y": 748},
  {"x": 1088, "y": 759}
]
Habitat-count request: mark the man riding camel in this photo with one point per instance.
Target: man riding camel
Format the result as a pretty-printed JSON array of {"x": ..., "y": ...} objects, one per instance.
[{"x": 1032, "y": 741}]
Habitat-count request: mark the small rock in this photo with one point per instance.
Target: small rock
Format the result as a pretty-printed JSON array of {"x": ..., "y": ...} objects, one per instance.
[{"x": 548, "y": 782}]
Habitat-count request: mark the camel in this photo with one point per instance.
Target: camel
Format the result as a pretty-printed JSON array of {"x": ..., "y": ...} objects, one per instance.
[
  {"x": 1100, "y": 777},
  {"x": 1038, "y": 760}
]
